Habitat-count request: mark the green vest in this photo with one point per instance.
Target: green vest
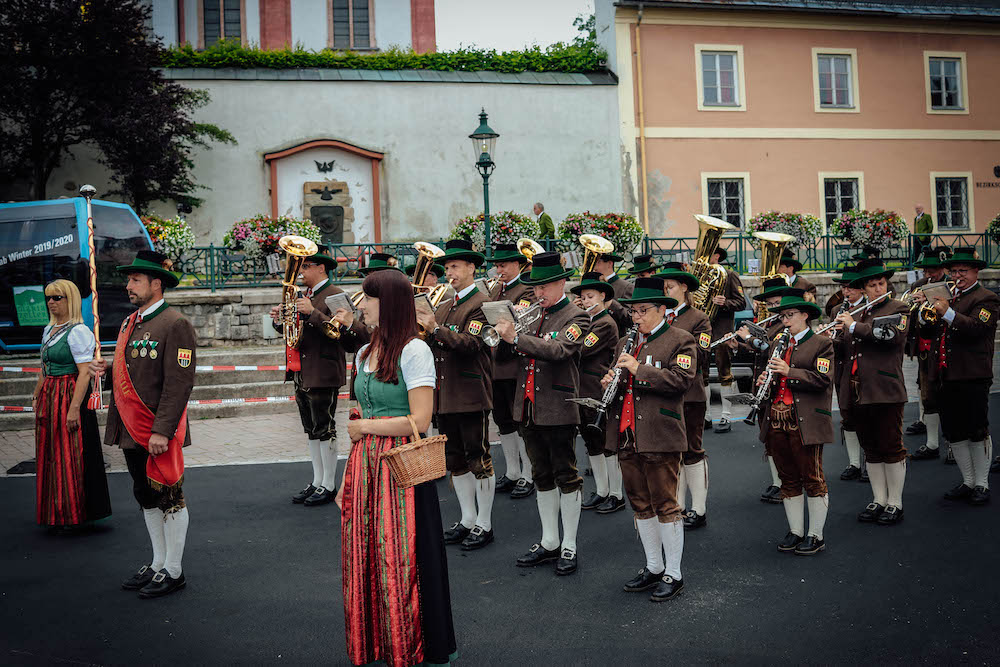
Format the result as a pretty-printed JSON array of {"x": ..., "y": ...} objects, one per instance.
[
  {"x": 57, "y": 358},
  {"x": 381, "y": 399}
]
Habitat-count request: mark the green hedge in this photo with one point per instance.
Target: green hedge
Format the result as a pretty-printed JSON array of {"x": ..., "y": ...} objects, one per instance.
[{"x": 587, "y": 57}]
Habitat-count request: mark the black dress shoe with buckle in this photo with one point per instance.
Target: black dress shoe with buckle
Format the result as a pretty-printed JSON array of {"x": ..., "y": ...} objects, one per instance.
[
  {"x": 566, "y": 563},
  {"x": 523, "y": 489},
  {"x": 708, "y": 424},
  {"x": 667, "y": 589},
  {"x": 478, "y": 538},
  {"x": 864, "y": 474},
  {"x": 642, "y": 581},
  {"x": 810, "y": 546},
  {"x": 162, "y": 584},
  {"x": 790, "y": 542},
  {"x": 851, "y": 472},
  {"x": 321, "y": 496},
  {"x": 916, "y": 428},
  {"x": 995, "y": 466},
  {"x": 456, "y": 534},
  {"x": 611, "y": 505},
  {"x": 537, "y": 555},
  {"x": 505, "y": 484},
  {"x": 924, "y": 452},
  {"x": 772, "y": 494},
  {"x": 871, "y": 513},
  {"x": 980, "y": 496},
  {"x": 139, "y": 579},
  {"x": 593, "y": 502},
  {"x": 891, "y": 516},
  {"x": 301, "y": 496},
  {"x": 723, "y": 426},
  {"x": 693, "y": 520},
  {"x": 960, "y": 492},
  {"x": 950, "y": 457}
]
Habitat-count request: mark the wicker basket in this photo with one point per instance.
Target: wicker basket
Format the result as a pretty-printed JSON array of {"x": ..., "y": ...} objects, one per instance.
[{"x": 420, "y": 460}]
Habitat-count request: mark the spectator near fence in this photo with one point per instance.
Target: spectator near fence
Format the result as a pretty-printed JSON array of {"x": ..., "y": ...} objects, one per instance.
[
  {"x": 547, "y": 228},
  {"x": 923, "y": 229}
]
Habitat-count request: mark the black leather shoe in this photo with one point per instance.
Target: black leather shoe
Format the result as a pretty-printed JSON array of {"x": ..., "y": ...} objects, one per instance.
[
  {"x": 593, "y": 502},
  {"x": 456, "y": 534},
  {"x": 537, "y": 555},
  {"x": 723, "y": 426},
  {"x": 960, "y": 492},
  {"x": 478, "y": 538},
  {"x": 864, "y": 474},
  {"x": 611, "y": 505},
  {"x": 162, "y": 584},
  {"x": 523, "y": 489},
  {"x": 667, "y": 589},
  {"x": 924, "y": 452},
  {"x": 980, "y": 496},
  {"x": 851, "y": 472},
  {"x": 772, "y": 494},
  {"x": 642, "y": 581},
  {"x": 708, "y": 424},
  {"x": 566, "y": 563},
  {"x": 871, "y": 513},
  {"x": 693, "y": 520},
  {"x": 790, "y": 543},
  {"x": 301, "y": 496},
  {"x": 995, "y": 466},
  {"x": 320, "y": 496},
  {"x": 950, "y": 457},
  {"x": 139, "y": 579},
  {"x": 916, "y": 428},
  {"x": 810, "y": 546},
  {"x": 891, "y": 516},
  {"x": 505, "y": 484}
]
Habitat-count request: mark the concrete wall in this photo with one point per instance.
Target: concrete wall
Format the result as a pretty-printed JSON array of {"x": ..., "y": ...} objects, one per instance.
[
  {"x": 309, "y": 24},
  {"x": 392, "y": 25}
]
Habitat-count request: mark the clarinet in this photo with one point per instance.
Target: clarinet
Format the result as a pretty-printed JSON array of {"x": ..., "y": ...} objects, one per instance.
[
  {"x": 632, "y": 335},
  {"x": 764, "y": 391}
]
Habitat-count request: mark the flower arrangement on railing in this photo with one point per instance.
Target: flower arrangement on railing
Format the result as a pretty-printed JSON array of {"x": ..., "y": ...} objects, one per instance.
[
  {"x": 877, "y": 229},
  {"x": 993, "y": 229},
  {"x": 505, "y": 227},
  {"x": 258, "y": 236},
  {"x": 804, "y": 227},
  {"x": 622, "y": 230},
  {"x": 170, "y": 236}
]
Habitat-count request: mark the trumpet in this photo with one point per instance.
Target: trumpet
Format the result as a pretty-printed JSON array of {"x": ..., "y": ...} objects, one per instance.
[
  {"x": 925, "y": 310},
  {"x": 526, "y": 317},
  {"x": 334, "y": 329},
  {"x": 868, "y": 304}
]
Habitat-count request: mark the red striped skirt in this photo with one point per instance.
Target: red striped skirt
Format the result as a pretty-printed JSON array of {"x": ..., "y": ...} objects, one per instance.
[{"x": 59, "y": 452}]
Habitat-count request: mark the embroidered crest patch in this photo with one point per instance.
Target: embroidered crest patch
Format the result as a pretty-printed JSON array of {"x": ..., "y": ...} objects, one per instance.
[
  {"x": 591, "y": 340},
  {"x": 183, "y": 357},
  {"x": 823, "y": 365},
  {"x": 704, "y": 339},
  {"x": 573, "y": 332},
  {"x": 984, "y": 315},
  {"x": 475, "y": 326},
  {"x": 523, "y": 303},
  {"x": 684, "y": 361},
  {"x": 902, "y": 323}
]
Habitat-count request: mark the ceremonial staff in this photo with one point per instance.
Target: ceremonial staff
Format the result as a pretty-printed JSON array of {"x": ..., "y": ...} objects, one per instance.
[{"x": 96, "y": 400}]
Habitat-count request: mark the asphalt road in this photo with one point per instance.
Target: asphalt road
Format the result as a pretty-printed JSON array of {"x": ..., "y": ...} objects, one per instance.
[{"x": 264, "y": 580}]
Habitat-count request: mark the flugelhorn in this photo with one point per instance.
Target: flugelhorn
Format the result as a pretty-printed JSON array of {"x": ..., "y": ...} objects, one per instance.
[
  {"x": 296, "y": 249},
  {"x": 593, "y": 247}
]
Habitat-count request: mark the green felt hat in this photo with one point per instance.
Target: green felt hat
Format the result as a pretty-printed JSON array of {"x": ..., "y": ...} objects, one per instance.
[
  {"x": 153, "y": 264},
  {"x": 650, "y": 290},
  {"x": 461, "y": 249},
  {"x": 788, "y": 259},
  {"x": 776, "y": 286},
  {"x": 592, "y": 280},
  {"x": 965, "y": 256},
  {"x": 378, "y": 261},
  {"x": 611, "y": 257},
  {"x": 642, "y": 263},
  {"x": 436, "y": 268},
  {"x": 868, "y": 269},
  {"x": 675, "y": 271},
  {"x": 848, "y": 276},
  {"x": 546, "y": 267},
  {"x": 507, "y": 252},
  {"x": 323, "y": 257},
  {"x": 933, "y": 258},
  {"x": 796, "y": 299}
]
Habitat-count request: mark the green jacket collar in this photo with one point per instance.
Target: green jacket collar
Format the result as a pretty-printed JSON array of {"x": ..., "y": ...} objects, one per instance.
[
  {"x": 601, "y": 314},
  {"x": 659, "y": 332},
  {"x": 559, "y": 306},
  {"x": 475, "y": 290},
  {"x": 156, "y": 312},
  {"x": 613, "y": 278}
]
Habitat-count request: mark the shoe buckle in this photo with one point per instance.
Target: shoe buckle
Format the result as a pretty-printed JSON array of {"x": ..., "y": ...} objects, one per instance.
[
  {"x": 142, "y": 570},
  {"x": 667, "y": 579},
  {"x": 872, "y": 507},
  {"x": 522, "y": 483},
  {"x": 534, "y": 548},
  {"x": 477, "y": 530},
  {"x": 159, "y": 577},
  {"x": 568, "y": 554}
]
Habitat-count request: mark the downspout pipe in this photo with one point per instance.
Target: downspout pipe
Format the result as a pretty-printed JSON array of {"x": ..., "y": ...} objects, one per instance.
[{"x": 642, "y": 124}]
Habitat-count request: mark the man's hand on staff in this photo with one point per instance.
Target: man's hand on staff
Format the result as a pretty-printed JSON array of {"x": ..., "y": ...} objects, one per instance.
[{"x": 98, "y": 367}]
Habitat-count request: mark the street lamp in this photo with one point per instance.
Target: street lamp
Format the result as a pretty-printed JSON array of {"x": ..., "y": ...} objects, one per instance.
[{"x": 484, "y": 140}]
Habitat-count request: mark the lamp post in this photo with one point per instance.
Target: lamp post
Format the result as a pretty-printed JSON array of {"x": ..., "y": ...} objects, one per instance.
[{"x": 484, "y": 140}]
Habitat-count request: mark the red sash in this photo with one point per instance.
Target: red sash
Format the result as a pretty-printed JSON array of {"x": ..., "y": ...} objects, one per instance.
[{"x": 163, "y": 470}]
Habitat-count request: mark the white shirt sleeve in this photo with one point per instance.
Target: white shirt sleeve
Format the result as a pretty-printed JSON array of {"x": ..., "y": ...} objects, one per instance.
[
  {"x": 417, "y": 365},
  {"x": 949, "y": 315},
  {"x": 81, "y": 344}
]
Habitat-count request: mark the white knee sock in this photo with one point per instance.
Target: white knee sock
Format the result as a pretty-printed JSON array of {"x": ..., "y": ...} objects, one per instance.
[
  {"x": 317, "y": 461},
  {"x": 508, "y": 441},
  {"x": 727, "y": 406},
  {"x": 708, "y": 402},
  {"x": 175, "y": 529},
  {"x": 697, "y": 479},
  {"x": 328, "y": 453},
  {"x": 895, "y": 478},
  {"x": 154, "y": 525},
  {"x": 922, "y": 413},
  {"x": 933, "y": 422},
  {"x": 614, "y": 476},
  {"x": 775, "y": 480},
  {"x": 853, "y": 446},
  {"x": 548, "y": 512},
  {"x": 794, "y": 508},
  {"x": 818, "y": 507},
  {"x": 672, "y": 535},
  {"x": 652, "y": 544},
  {"x": 963, "y": 457},
  {"x": 465, "y": 489},
  {"x": 982, "y": 455},
  {"x": 876, "y": 477},
  {"x": 485, "y": 490},
  {"x": 525, "y": 461},
  {"x": 600, "y": 468},
  {"x": 682, "y": 487},
  {"x": 569, "y": 508}
]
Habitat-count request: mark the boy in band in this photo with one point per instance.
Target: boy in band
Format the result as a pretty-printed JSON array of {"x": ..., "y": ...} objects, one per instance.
[
  {"x": 433, "y": 276},
  {"x": 790, "y": 266},
  {"x": 379, "y": 261},
  {"x": 853, "y": 298},
  {"x": 598, "y": 355},
  {"x": 642, "y": 267},
  {"x": 605, "y": 265},
  {"x": 729, "y": 302},
  {"x": 646, "y": 429}
]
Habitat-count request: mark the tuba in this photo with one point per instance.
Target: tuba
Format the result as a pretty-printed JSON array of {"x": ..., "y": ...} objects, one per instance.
[
  {"x": 772, "y": 244},
  {"x": 427, "y": 254},
  {"x": 296, "y": 249},
  {"x": 529, "y": 248},
  {"x": 711, "y": 276},
  {"x": 593, "y": 247}
]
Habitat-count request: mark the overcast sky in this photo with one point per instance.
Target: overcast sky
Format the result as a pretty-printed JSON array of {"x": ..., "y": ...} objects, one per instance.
[{"x": 508, "y": 24}]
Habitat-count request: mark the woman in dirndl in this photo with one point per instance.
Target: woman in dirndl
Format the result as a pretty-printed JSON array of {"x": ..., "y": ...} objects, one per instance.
[
  {"x": 71, "y": 488},
  {"x": 397, "y": 601}
]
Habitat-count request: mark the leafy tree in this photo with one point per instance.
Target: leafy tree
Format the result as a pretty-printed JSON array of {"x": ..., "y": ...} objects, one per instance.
[{"x": 587, "y": 27}]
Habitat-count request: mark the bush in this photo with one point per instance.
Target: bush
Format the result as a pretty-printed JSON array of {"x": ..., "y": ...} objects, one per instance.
[
  {"x": 171, "y": 236},
  {"x": 258, "y": 236},
  {"x": 877, "y": 229},
  {"x": 505, "y": 227},
  {"x": 993, "y": 230},
  {"x": 805, "y": 228},
  {"x": 622, "y": 230}
]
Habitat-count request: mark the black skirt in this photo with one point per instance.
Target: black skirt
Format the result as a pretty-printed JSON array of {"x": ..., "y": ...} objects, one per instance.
[
  {"x": 96, "y": 501},
  {"x": 432, "y": 563}
]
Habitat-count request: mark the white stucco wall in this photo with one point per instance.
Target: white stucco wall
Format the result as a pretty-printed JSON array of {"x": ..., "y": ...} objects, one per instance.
[
  {"x": 165, "y": 21},
  {"x": 392, "y": 24},
  {"x": 604, "y": 24},
  {"x": 309, "y": 24}
]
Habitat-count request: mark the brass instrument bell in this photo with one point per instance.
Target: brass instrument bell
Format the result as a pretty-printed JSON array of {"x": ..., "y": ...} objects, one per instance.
[
  {"x": 296, "y": 249},
  {"x": 593, "y": 247}
]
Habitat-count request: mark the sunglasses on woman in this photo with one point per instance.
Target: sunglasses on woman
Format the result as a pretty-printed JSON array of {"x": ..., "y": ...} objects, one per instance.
[{"x": 54, "y": 297}]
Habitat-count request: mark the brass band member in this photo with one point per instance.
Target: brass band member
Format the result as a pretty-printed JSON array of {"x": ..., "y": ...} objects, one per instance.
[
  {"x": 790, "y": 266},
  {"x": 853, "y": 298},
  {"x": 433, "y": 276},
  {"x": 643, "y": 266},
  {"x": 646, "y": 429},
  {"x": 597, "y": 356},
  {"x": 379, "y": 261},
  {"x": 725, "y": 317},
  {"x": 464, "y": 394},
  {"x": 679, "y": 285},
  {"x": 605, "y": 265},
  {"x": 796, "y": 421},
  {"x": 548, "y": 375},
  {"x": 873, "y": 383}
]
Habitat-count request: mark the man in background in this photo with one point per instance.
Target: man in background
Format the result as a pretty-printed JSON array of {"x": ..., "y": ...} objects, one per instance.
[
  {"x": 547, "y": 229},
  {"x": 923, "y": 228}
]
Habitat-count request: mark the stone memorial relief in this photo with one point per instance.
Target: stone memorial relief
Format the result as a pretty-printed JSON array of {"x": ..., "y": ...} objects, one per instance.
[{"x": 328, "y": 205}]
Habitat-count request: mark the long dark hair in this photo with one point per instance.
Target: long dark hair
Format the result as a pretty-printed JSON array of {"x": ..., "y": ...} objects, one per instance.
[{"x": 397, "y": 320}]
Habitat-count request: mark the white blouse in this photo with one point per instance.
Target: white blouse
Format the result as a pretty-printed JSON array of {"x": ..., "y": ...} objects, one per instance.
[
  {"x": 81, "y": 341},
  {"x": 416, "y": 363}
]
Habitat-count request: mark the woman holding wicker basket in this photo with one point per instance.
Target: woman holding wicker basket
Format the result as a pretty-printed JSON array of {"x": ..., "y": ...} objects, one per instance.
[{"x": 397, "y": 603}]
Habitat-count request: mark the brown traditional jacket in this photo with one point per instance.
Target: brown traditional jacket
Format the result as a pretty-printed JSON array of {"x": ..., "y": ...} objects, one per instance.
[
  {"x": 324, "y": 363},
  {"x": 725, "y": 316},
  {"x": 623, "y": 290},
  {"x": 800, "y": 282},
  {"x": 598, "y": 354},
  {"x": 696, "y": 323},
  {"x": 838, "y": 365},
  {"x": 463, "y": 362},
  {"x": 504, "y": 359},
  {"x": 658, "y": 392},
  {"x": 811, "y": 384},
  {"x": 913, "y": 335},
  {"x": 969, "y": 339},
  {"x": 880, "y": 363},
  {"x": 163, "y": 377},
  {"x": 555, "y": 344}
]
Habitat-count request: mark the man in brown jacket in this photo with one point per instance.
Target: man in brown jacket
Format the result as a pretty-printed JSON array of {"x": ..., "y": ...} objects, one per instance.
[
  {"x": 646, "y": 429},
  {"x": 317, "y": 367},
  {"x": 963, "y": 339},
  {"x": 156, "y": 346},
  {"x": 549, "y": 373},
  {"x": 605, "y": 265},
  {"x": 873, "y": 382},
  {"x": 464, "y": 396},
  {"x": 729, "y": 302}
]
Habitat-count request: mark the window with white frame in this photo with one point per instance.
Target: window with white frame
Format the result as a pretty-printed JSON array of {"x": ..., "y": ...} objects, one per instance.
[
  {"x": 352, "y": 24},
  {"x": 946, "y": 83},
  {"x": 835, "y": 89},
  {"x": 719, "y": 76},
  {"x": 840, "y": 195},
  {"x": 221, "y": 19},
  {"x": 952, "y": 195},
  {"x": 726, "y": 200}
]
